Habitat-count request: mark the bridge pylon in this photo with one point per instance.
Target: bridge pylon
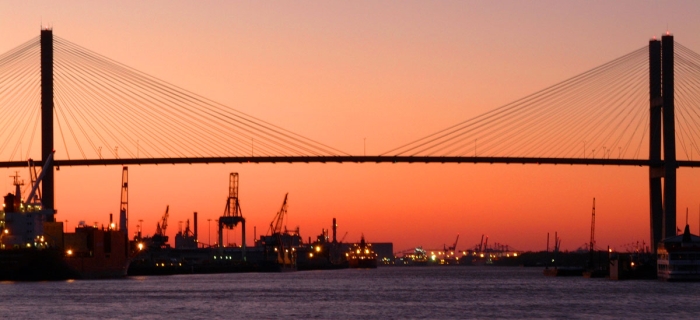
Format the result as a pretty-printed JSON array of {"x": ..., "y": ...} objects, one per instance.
[
  {"x": 47, "y": 184},
  {"x": 662, "y": 201}
]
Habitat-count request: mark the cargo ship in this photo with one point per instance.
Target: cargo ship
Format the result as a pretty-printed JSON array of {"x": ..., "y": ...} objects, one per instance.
[
  {"x": 45, "y": 252},
  {"x": 34, "y": 248},
  {"x": 361, "y": 255}
]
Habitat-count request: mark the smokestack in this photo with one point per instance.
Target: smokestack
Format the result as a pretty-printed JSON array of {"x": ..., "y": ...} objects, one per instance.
[
  {"x": 195, "y": 226},
  {"x": 334, "y": 229}
]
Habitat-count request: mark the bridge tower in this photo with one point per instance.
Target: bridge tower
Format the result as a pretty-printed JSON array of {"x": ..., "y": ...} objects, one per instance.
[
  {"x": 662, "y": 126},
  {"x": 47, "y": 184}
]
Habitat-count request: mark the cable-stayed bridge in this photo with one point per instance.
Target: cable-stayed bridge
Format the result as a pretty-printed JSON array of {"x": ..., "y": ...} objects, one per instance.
[{"x": 57, "y": 95}]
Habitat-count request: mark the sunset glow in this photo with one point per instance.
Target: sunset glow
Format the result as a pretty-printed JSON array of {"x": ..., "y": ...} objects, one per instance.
[{"x": 367, "y": 77}]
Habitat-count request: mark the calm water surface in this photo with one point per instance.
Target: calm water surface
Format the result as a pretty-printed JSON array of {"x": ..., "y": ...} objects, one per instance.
[{"x": 384, "y": 293}]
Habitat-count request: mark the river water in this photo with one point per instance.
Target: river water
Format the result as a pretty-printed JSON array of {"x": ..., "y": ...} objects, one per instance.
[{"x": 383, "y": 293}]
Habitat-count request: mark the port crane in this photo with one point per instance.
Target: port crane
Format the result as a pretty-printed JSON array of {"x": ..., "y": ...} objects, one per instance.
[
  {"x": 162, "y": 226},
  {"x": 278, "y": 221},
  {"x": 281, "y": 241},
  {"x": 160, "y": 239},
  {"x": 452, "y": 248},
  {"x": 233, "y": 215},
  {"x": 480, "y": 247}
]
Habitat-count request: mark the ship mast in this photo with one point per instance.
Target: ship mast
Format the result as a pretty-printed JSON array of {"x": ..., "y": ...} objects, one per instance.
[{"x": 592, "y": 244}]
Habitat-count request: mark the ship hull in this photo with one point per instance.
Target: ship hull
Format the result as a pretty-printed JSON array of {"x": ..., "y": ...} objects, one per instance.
[
  {"x": 369, "y": 263},
  {"x": 34, "y": 265},
  {"x": 51, "y": 265}
]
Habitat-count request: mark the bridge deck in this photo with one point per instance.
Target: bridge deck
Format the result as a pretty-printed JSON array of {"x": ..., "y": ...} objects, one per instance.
[{"x": 350, "y": 159}]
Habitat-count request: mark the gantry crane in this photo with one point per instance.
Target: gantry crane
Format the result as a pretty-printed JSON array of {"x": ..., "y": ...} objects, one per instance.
[{"x": 232, "y": 213}]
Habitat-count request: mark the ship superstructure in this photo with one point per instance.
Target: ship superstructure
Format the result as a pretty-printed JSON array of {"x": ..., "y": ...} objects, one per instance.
[{"x": 361, "y": 255}]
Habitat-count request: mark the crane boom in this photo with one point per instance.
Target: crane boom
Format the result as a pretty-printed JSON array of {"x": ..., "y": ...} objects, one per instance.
[
  {"x": 163, "y": 225},
  {"x": 277, "y": 222},
  {"x": 454, "y": 246}
]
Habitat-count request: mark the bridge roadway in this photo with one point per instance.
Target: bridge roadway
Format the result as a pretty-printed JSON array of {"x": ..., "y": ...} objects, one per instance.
[{"x": 350, "y": 159}]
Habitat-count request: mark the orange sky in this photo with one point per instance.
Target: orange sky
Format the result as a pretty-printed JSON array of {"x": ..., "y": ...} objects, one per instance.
[{"x": 341, "y": 72}]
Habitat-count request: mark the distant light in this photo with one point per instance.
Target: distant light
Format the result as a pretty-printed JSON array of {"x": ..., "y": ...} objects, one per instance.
[
  {"x": 7, "y": 231},
  {"x": 632, "y": 264},
  {"x": 140, "y": 246},
  {"x": 668, "y": 33},
  {"x": 515, "y": 254},
  {"x": 311, "y": 254},
  {"x": 318, "y": 248},
  {"x": 69, "y": 252}
]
